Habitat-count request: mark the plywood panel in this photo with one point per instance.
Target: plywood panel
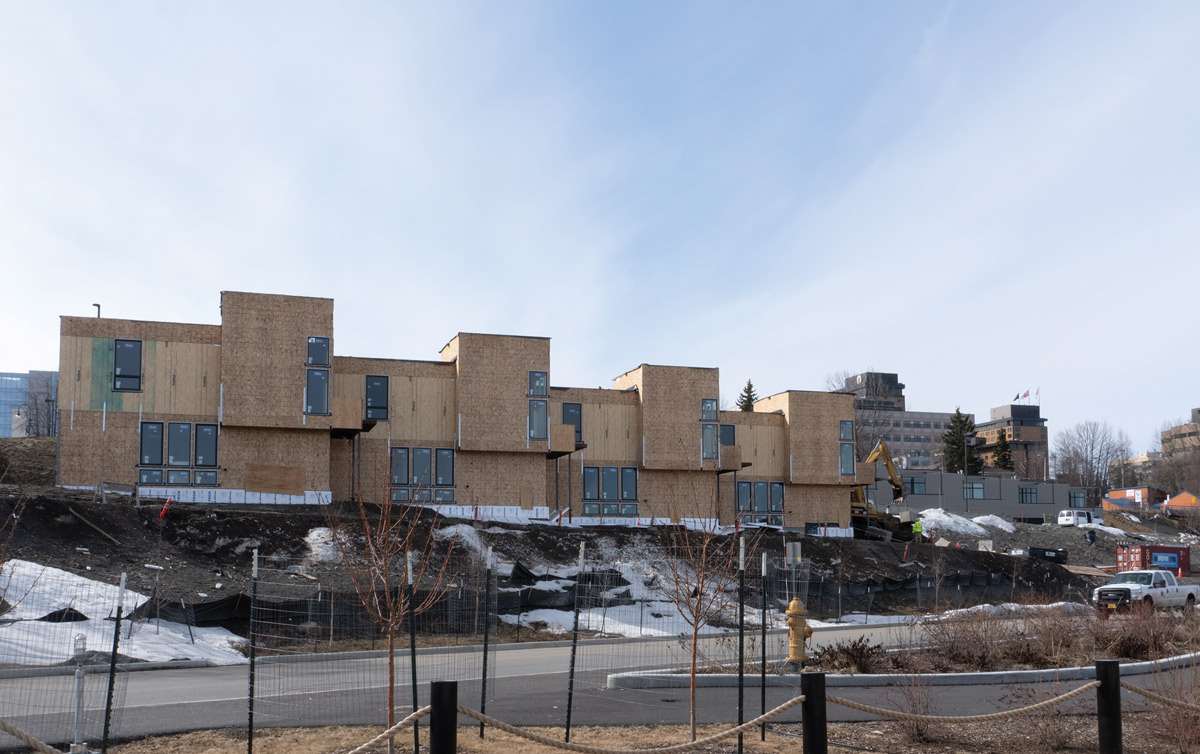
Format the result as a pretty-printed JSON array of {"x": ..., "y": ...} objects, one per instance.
[
  {"x": 347, "y": 413},
  {"x": 763, "y": 447},
  {"x": 283, "y": 480}
]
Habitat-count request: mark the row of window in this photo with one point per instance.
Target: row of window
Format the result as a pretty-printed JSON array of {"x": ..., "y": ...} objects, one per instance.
[
  {"x": 915, "y": 485},
  {"x": 178, "y": 477},
  {"x": 422, "y": 495},
  {"x": 760, "y": 497},
  {"x": 757, "y": 518},
  {"x": 711, "y": 435},
  {"x": 628, "y": 510},
  {"x": 610, "y": 483},
  {"x": 412, "y": 466},
  {"x": 179, "y": 444}
]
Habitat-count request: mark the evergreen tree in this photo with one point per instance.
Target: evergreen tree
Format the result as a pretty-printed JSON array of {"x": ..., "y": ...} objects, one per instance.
[
  {"x": 747, "y": 398},
  {"x": 960, "y": 432},
  {"x": 1002, "y": 456}
]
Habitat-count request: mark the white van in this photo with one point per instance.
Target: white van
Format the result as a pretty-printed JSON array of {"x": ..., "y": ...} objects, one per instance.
[{"x": 1075, "y": 517}]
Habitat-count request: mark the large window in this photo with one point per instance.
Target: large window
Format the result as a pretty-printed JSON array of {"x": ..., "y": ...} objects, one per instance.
[
  {"x": 728, "y": 437},
  {"x": 538, "y": 385},
  {"x": 1027, "y": 495},
  {"x": 206, "y": 445},
  {"x": 399, "y": 467},
  {"x": 973, "y": 490},
  {"x": 708, "y": 441},
  {"x": 421, "y": 458},
  {"x": 151, "y": 445},
  {"x": 609, "y": 483},
  {"x": 761, "y": 500},
  {"x": 127, "y": 365},
  {"x": 743, "y": 496},
  {"x": 629, "y": 483},
  {"x": 537, "y": 420},
  {"x": 377, "y": 397},
  {"x": 150, "y": 476},
  {"x": 1076, "y": 500},
  {"x": 444, "y": 471},
  {"x": 591, "y": 483},
  {"x": 915, "y": 485},
  {"x": 317, "y": 394},
  {"x": 573, "y": 415},
  {"x": 777, "y": 497},
  {"x": 708, "y": 409},
  {"x": 846, "y": 430},
  {"x": 179, "y": 444},
  {"x": 205, "y": 478},
  {"x": 179, "y": 476},
  {"x": 846, "y": 460},
  {"x": 318, "y": 352}
]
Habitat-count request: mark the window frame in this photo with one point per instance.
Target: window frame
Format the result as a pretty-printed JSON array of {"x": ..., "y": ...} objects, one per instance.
[
  {"x": 380, "y": 412},
  {"x": 173, "y": 437},
  {"x": 709, "y": 438},
  {"x": 578, "y": 409},
  {"x": 744, "y": 502},
  {"x": 709, "y": 409},
  {"x": 539, "y": 429},
  {"x": 144, "y": 473},
  {"x": 1027, "y": 495},
  {"x": 537, "y": 390},
  {"x": 591, "y": 509},
  {"x": 427, "y": 453},
  {"x": 721, "y": 435},
  {"x": 395, "y": 452},
  {"x": 308, "y": 392},
  {"x": 846, "y": 459},
  {"x": 776, "y": 487},
  {"x": 142, "y": 458},
  {"x": 207, "y": 474},
  {"x": 117, "y": 376},
  {"x": 438, "y": 455},
  {"x": 846, "y": 430},
  {"x": 627, "y": 494},
  {"x": 216, "y": 437},
  {"x": 323, "y": 343},
  {"x": 594, "y": 482},
  {"x": 975, "y": 487},
  {"x": 175, "y": 473},
  {"x": 610, "y": 484},
  {"x": 1076, "y": 499}
]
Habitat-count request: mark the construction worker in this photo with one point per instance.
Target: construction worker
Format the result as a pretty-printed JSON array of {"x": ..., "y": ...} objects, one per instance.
[{"x": 919, "y": 529}]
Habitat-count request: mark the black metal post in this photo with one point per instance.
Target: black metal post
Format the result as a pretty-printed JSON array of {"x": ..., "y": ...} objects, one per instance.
[
  {"x": 412, "y": 657},
  {"x": 741, "y": 638},
  {"x": 487, "y": 624},
  {"x": 812, "y": 710},
  {"x": 1108, "y": 706},
  {"x": 250, "y": 639},
  {"x": 112, "y": 670},
  {"x": 443, "y": 718},
  {"x": 574, "y": 646},
  {"x": 762, "y": 670}
]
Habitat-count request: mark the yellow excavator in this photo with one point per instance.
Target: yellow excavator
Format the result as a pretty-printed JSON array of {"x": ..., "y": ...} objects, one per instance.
[{"x": 860, "y": 508}]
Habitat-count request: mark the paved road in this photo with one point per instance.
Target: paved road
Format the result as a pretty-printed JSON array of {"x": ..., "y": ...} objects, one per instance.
[{"x": 527, "y": 687}]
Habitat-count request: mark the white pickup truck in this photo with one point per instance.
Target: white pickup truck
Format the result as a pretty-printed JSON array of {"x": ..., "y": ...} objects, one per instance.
[{"x": 1147, "y": 589}]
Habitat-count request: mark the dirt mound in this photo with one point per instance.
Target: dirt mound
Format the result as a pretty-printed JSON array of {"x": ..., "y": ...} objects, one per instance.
[{"x": 27, "y": 460}]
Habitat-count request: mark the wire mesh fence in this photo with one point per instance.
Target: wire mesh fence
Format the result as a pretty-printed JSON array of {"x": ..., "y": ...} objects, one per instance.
[{"x": 57, "y": 632}]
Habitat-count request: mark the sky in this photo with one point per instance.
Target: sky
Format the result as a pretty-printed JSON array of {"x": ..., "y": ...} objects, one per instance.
[{"x": 985, "y": 198}]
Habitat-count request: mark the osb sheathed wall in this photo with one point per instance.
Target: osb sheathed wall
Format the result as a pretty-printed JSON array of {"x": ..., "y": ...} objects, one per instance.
[
  {"x": 422, "y": 398},
  {"x": 281, "y": 449},
  {"x": 500, "y": 479},
  {"x": 813, "y": 433},
  {"x": 493, "y": 390},
  {"x": 611, "y": 427},
  {"x": 264, "y": 340},
  {"x": 671, "y": 401},
  {"x": 816, "y": 504}
]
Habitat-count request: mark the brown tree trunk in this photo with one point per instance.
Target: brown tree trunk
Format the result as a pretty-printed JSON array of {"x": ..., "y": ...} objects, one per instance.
[
  {"x": 692, "y": 689},
  {"x": 391, "y": 694}
]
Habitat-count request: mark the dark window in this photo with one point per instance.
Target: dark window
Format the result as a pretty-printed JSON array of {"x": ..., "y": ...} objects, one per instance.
[
  {"x": 609, "y": 482},
  {"x": 400, "y": 466},
  {"x": 846, "y": 431},
  {"x": 573, "y": 415},
  {"x": 377, "y": 397},
  {"x": 207, "y": 478},
  {"x": 1076, "y": 500},
  {"x": 591, "y": 483},
  {"x": 776, "y": 497},
  {"x": 537, "y": 384},
  {"x": 537, "y": 420},
  {"x": 179, "y": 476},
  {"x": 628, "y": 509},
  {"x": 708, "y": 441},
  {"x": 443, "y": 496},
  {"x": 318, "y": 392},
  {"x": 973, "y": 490},
  {"x": 444, "y": 471},
  {"x": 422, "y": 495},
  {"x": 727, "y": 435},
  {"x": 761, "y": 500},
  {"x": 708, "y": 409},
  {"x": 421, "y": 458},
  {"x": 743, "y": 496},
  {"x": 179, "y": 444},
  {"x": 127, "y": 365},
  {"x": 400, "y": 495},
  {"x": 318, "y": 352},
  {"x": 846, "y": 462},
  {"x": 150, "y": 476},
  {"x": 151, "y": 444},
  {"x": 1027, "y": 495},
  {"x": 591, "y": 509},
  {"x": 206, "y": 445},
  {"x": 914, "y": 484},
  {"x": 629, "y": 483},
  {"x": 610, "y": 509}
]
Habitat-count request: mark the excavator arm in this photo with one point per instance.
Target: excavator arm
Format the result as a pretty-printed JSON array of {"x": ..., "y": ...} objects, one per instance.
[{"x": 882, "y": 452}]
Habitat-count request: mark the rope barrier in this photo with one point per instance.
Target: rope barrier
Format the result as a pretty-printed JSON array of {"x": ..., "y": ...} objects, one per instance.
[
  {"x": 405, "y": 723},
  {"x": 1160, "y": 698},
  {"x": 514, "y": 730},
  {"x": 27, "y": 739},
  {"x": 895, "y": 715}
]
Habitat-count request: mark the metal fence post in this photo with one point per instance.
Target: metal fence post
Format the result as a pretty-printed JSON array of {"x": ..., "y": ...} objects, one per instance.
[
  {"x": 813, "y": 727},
  {"x": 574, "y": 644},
  {"x": 487, "y": 624},
  {"x": 250, "y": 639},
  {"x": 762, "y": 671},
  {"x": 1108, "y": 706},
  {"x": 112, "y": 670},
  {"x": 412, "y": 650},
  {"x": 741, "y": 636},
  {"x": 443, "y": 718}
]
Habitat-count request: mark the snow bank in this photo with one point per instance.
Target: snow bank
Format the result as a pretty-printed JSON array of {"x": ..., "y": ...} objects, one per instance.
[
  {"x": 464, "y": 535},
  {"x": 938, "y": 519},
  {"x": 995, "y": 522},
  {"x": 320, "y": 545},
  {"x": 35, "y": 590},
  {"x": 1106, "y": 529},
  {"x": 644, "y": 619},
  {"x": 1013, "y": 609}
]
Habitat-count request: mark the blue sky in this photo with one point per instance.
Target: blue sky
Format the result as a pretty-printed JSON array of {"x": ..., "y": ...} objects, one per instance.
[{"x": 983, "y": 197}]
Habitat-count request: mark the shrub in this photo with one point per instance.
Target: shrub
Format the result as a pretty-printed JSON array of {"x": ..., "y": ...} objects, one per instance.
[{"x": 854, "y": 655}]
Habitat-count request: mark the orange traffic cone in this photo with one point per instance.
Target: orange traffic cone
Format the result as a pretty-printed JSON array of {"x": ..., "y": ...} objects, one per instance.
[{"x": 1180, "y": 574}]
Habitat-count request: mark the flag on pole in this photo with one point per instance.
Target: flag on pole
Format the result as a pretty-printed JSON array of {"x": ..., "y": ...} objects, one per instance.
[
  {"x": 1025, "y": 394},
  {"x": 1017, "y": 397}
]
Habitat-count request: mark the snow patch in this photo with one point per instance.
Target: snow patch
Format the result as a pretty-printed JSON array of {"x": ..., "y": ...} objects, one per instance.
[
  {"x": 940, "y": 519},
  {"x": 1106, "y": 529},
  {"x": 995, "y": 522},
  {"x": 464, "y": 535},
  {"x": 321, "y": 547}
]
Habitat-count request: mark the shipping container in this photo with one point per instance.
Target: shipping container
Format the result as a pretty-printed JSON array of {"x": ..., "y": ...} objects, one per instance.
[{"x": 1173, "y": 558}]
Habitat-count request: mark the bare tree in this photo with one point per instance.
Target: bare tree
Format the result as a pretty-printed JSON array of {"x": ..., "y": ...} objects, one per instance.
[
  {"x": 701, "y": 568},
  {"x": 873, "y": 419},
  {"x": 387, "y": 550},
  {"x": 39, "y": 405},
  {"x": 1083, "y": 453}
]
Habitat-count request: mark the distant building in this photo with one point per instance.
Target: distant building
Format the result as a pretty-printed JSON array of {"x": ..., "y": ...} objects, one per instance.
[
  {"x": 1022, "y": 500},
  {"x": 1136, "y": 497},
  {"x": 876, "y": 391},
  {"x": 1183, "y": 438},
  {"x": 1134, "y": 468},
  {"x": 1027, "y": 439},
  {"x": 27, "y": 403},
  {"x": 914, "y": 437},
  {"x": 1184, "y": 502}
]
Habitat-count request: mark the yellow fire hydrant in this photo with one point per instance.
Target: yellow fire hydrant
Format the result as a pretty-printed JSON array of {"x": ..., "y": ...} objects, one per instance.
[{"x": 798, "y": 632}]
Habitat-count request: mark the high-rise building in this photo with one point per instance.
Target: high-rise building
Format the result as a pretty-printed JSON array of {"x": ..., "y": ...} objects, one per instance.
[{"x": 1027, "y": 439}]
